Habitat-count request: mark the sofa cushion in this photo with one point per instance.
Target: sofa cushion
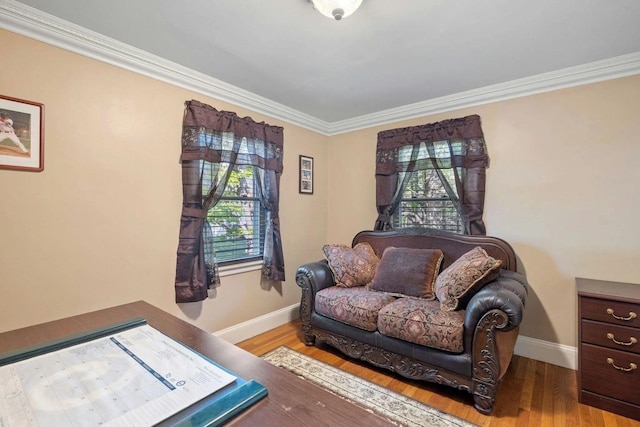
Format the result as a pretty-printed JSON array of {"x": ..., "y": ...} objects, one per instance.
[
  {"x": 354, "y": 306},
  {"x": 465, "y": 277},
  {"x": 351, "y": 266},
  {"x": 408, "y": 272},
  {"x": 423, "y": 322}
]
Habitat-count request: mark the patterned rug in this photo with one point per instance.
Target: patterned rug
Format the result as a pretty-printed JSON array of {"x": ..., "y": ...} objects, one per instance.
[{"x": 397, "y": 408}]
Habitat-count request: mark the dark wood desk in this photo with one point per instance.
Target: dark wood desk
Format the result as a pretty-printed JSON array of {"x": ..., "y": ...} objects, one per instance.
[{"x": 291, "y": 400}]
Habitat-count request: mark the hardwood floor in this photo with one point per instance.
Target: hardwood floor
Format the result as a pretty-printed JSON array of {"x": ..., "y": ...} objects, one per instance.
[{"x": 532, "y": 393}]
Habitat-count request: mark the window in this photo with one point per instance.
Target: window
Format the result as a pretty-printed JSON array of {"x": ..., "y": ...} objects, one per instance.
[
  {"x": 425, "y": 203},
  {"x": 238, "y": 219}
]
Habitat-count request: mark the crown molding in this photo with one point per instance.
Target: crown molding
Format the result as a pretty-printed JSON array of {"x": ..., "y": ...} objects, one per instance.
[
  {"x": 608, "y": 69},
  {"x": 27, "y": 21}
]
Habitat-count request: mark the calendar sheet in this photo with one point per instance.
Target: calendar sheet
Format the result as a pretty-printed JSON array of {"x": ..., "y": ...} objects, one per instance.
[{"x": 137, "y": 377}]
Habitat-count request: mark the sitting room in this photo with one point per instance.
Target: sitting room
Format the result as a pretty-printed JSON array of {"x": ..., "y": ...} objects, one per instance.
[{"x": 250, "y": 169}]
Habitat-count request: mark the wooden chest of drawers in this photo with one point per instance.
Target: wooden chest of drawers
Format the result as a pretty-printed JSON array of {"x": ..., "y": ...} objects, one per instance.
[{"x": 609, "y": 346}]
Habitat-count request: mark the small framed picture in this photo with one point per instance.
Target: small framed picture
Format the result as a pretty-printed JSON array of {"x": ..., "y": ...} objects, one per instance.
[
  {"x": 21, "y": 134},
  {"x": 306, "y": 175}
]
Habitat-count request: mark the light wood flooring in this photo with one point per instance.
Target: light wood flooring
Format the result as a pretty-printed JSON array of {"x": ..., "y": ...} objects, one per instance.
[{"x": 532, "y": 393}]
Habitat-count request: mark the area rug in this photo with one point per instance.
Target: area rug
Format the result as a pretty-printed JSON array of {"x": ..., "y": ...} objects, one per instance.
[{"x": 397, "y": 408}]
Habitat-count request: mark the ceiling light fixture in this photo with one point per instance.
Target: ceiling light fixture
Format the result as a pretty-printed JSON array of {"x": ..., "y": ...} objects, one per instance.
[{"x": 336, "y": 9}]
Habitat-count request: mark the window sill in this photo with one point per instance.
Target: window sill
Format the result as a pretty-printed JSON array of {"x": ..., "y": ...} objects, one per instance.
[{"x": 230, "y": 270}]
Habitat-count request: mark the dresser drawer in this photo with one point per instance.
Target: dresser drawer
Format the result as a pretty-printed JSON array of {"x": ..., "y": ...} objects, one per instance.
[
  {"x": 599, "y": 375},
  {"x": 625, "y": 409},
  {"x": 615, "y": 312},
  {"x": 613, "y": 336}
]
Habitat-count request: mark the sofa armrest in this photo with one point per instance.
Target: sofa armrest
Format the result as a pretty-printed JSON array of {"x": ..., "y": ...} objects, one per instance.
[
  {"x": 492, "y": 322},
  {"x": 315, "y": 275},
  {"x": 507, "y": 294},
  {"x": 311, "y": 277}
]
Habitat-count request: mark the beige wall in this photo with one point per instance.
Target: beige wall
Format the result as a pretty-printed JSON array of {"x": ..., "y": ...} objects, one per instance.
[
  {"x": 562, "y": 189},
  {"x": 99, "y": 226}
]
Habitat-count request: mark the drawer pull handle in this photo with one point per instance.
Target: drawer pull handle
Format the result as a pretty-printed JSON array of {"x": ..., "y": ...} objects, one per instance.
[
  {"x": 631, "y": 315},
  {"x": 632, "y": 366},
  {"x": 632, "y": 341}
]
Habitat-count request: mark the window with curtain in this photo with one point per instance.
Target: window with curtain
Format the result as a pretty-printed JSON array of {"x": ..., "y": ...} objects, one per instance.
[
  {"x": 238, "y": 220},
  {"x": 425, "y": 203},
  {"x": 432, "y": 176},
  {"x": 231, "y": 170}
]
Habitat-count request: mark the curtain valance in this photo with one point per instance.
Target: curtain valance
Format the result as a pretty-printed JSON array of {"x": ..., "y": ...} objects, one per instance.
[
  {"x": 469, "y": 155},
  {"x": 199, "y": 115}
]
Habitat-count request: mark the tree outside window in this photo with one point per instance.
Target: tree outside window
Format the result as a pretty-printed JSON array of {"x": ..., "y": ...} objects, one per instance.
[
  {"x": 237, "y": 221},
  {"x": 425, "y": 203}
]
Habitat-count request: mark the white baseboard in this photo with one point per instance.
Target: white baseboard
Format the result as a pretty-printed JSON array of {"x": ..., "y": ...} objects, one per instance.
[
  {"x": 259, "y": 325},
  {"x": 545, "y": 351}
]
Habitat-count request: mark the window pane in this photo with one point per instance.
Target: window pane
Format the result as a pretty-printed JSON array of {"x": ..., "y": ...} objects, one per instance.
[
  {"x": 424, "y": 184},
  {"x": 238, "y": 229},
  {"x": 425, "y": 203},
  {"x": 440, "y": 214},
  {"x": 240, "y": 183},
  {"x": 238, "y": 219}
]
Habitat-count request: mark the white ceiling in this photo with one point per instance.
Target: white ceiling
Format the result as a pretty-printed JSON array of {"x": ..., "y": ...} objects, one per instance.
[{"x": 387, "y": 55}]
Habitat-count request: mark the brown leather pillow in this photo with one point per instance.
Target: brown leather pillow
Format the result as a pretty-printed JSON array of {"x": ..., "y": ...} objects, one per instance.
[
  {"x": 408, "y": 272},
  {"x": 351, "y": 266},
  {"x": 465, "y": 277}
]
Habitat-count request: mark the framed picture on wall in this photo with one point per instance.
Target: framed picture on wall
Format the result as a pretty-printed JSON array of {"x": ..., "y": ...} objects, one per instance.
[
  {"x": 306, "y": 175},
  {"x": 21, "y": 134}
]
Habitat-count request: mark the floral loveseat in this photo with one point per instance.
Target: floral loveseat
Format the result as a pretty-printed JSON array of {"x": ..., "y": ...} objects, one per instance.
[{"x": 427, "y": 304}]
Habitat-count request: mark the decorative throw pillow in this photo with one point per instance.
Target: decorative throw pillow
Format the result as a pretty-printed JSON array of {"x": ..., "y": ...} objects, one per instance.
[
  {"x": 466, "y": 276},
  {"x": 352, "y": 266},
  {"x": 408, "y": 272}
]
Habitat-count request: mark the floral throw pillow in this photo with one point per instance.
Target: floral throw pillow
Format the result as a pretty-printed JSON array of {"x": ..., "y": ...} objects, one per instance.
[
  {"x": 466, "y": 276},
  {"x": 408, "y": 272},
  {"x": 352, "y": 266}
]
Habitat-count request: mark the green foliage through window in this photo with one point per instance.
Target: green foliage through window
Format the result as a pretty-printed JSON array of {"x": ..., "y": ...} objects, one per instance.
[
  {"x": 238, "y": 220},
  {"x": 425, "y": 203}
]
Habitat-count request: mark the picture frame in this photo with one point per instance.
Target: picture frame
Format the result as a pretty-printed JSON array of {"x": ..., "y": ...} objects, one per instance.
[
  {"x": 21, "y": 134},
  {"x": 306, "y": 175}
]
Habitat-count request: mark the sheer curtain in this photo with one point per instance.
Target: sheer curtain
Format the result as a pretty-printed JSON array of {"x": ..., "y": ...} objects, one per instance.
[
  {"x": 456, "y": 144},
  {"x": 213, "y": 143}
]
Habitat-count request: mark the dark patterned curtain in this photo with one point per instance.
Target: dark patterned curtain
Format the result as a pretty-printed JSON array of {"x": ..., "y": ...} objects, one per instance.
[
  {"x": 211, "y": 148},
  {"x": 456, "y": 144}
]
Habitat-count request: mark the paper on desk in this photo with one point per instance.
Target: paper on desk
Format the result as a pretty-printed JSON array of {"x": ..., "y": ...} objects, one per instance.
[{"x": 137, "y": 377}]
